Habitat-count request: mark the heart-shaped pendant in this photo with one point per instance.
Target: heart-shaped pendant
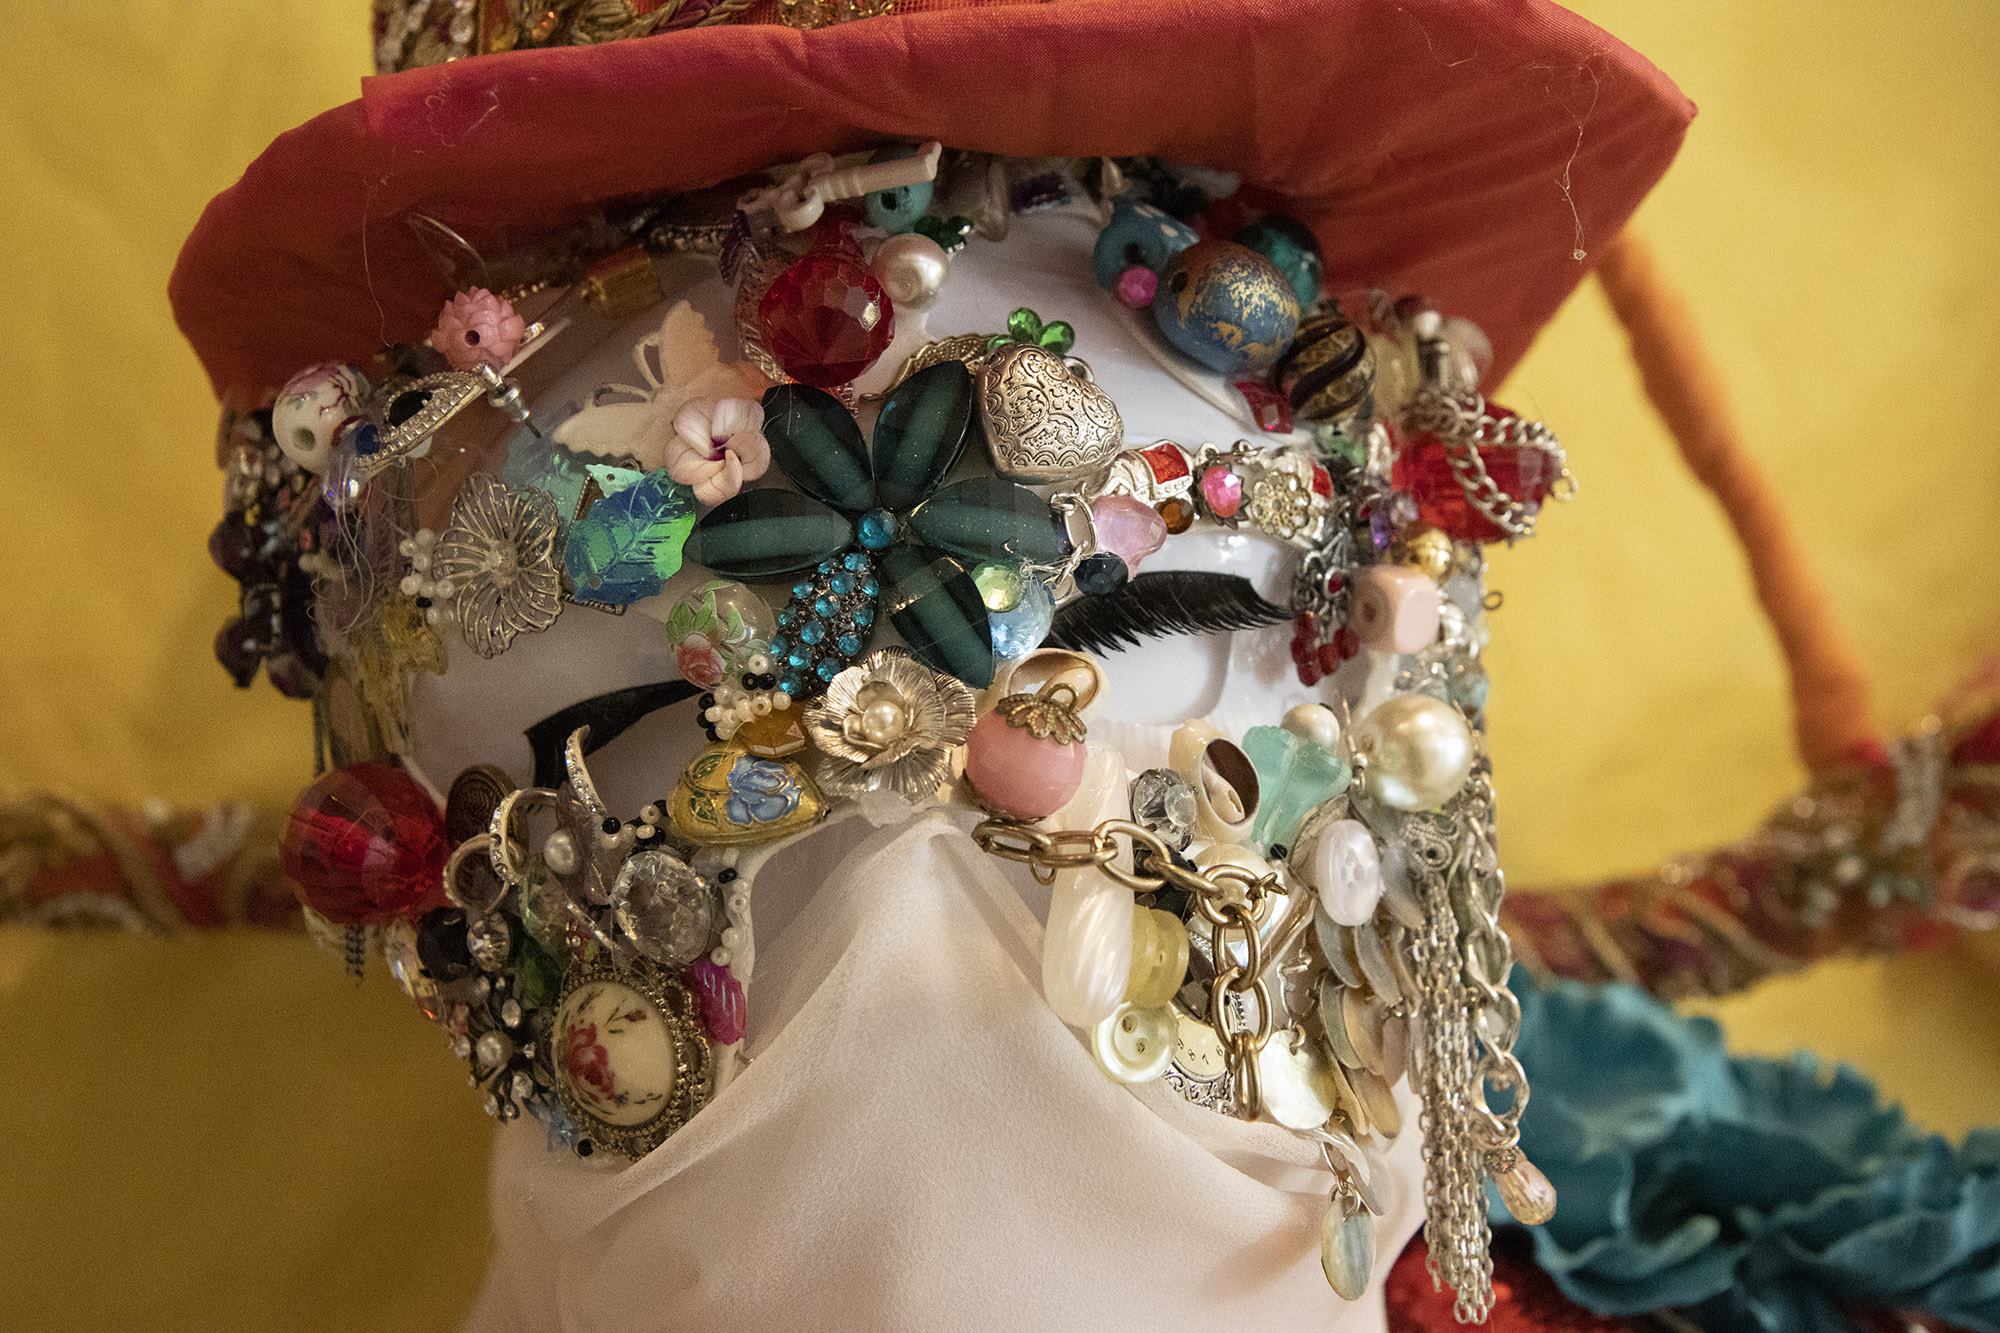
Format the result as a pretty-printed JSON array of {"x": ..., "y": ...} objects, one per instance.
[{"x": 1045, "y": 421}]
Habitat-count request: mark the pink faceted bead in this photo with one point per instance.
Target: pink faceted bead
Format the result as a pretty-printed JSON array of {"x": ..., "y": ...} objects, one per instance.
[
  {"x": 477, "y": 328},
  {"x": 1130, "y": 529},
  {"x": 1136, "y": 286},
  {"x": 1393, "y": 608},
  {"x": 725, "y": 1012},
  {"x": 1223, "y": 490},
  {"x": 1021, "y": 774}
]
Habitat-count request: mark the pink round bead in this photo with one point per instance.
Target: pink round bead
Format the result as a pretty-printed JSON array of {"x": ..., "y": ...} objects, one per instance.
[
  {"x": 1128, "y": 528},
  {"x": 477, "y": 328},
  {"x": 1019, "y": 773},
  {"x": 1393, "y": 608},
  {"x": 1223, "y": 490},
  {"x": 1136, "y": 286}
]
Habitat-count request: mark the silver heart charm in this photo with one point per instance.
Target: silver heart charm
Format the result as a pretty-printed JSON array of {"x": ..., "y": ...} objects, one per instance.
[{"x": 1044, "y": 420}]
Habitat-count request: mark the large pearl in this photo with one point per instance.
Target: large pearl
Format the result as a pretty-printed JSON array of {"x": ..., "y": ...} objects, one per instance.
[
  {"x": 1419, "y": 751},
  {"x": 912, "y": 268}
]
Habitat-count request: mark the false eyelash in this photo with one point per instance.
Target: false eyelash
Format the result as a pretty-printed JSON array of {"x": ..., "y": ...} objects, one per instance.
[{"x": 1178, "y": 601}]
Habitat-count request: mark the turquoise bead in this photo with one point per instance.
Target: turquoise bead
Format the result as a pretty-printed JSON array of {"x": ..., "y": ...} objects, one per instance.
[
  {"x": 1137, "y": 234},
  {"x": 898, "y": 209},
  {"x": 1291, "y": 245},
  {"x": 876, "y": 529},
  {"x": 1226, "y": 306},
  {"x": 936, "y": 608}
]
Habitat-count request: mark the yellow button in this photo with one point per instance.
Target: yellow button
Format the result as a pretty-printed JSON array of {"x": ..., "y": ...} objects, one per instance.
[
  {"x": 1134, "y": 1045},
  {"x": 1159, "y": 958}
]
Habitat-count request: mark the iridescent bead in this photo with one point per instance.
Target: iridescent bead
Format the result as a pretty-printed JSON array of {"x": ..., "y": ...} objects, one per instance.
[
  {"x": 1347, "y": 871},
  {"x": 1137, "y": 235},
  {"x": 1018, "y": 632},
  {"x": 1226, "y": 306},
  {"x": 1087, "y": 952},
  {"x": 1001, "y": 585}
]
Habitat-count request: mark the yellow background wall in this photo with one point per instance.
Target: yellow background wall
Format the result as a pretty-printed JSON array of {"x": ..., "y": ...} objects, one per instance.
[{"x": 225, "y": 1133}]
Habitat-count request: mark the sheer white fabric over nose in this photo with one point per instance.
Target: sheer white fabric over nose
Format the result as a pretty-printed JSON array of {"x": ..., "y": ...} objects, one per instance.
[{"x": 918, "y": 1143}]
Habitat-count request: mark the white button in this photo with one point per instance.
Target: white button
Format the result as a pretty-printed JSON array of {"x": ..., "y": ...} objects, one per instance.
[
  {"x": 1347, "y": 871},
  {"x": 1135, "y": 1045}
]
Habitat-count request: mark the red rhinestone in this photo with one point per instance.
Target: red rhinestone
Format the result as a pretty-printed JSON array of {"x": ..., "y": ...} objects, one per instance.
[
  {"x": 364, "y": 844},
  {"x": 1524, "y": 474},
  {"x": 1328, "y": 658},
  {"x": 1334, "y": 583},
  {"x": 826, "y": 319}
]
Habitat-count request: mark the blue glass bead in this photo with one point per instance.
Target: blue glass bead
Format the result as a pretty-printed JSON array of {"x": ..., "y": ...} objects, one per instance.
[
  {"x": 849, "y": 645},
  {"x": 827, "y": 670},
  {"x": 785, "y": 619},
  {"x": 780, "y": 645},
  {"x": 856, "y": 561},
  {"x": 864, "y": 616},
  {"x": 802, "y": 590},
  {"x": 826, "y": 566},
  {"x": 1100, "y": 574},
  {"x": 1137, "y": 234},
  {"x": 841, "y": 584},
  {"x": 824, "y": 607},
  {"x": 1291, "y": 245},
  {"x": 876, "y": 529},
  {"x": 869, "y": 587},
  {"x": 365, "y": 439},
  {"x": 1226, "y": 306},
  {"x": 1018, "y": 632},
  {"x": 791, "y": 685},
  {"x": 813, "y": 633},
  {"x": 798, "y": 659}
]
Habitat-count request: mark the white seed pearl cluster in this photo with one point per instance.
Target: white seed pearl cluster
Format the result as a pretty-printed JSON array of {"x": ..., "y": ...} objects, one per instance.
[
  {"x": 418, "y": 549},
  {"x": 735, "y": 705}
]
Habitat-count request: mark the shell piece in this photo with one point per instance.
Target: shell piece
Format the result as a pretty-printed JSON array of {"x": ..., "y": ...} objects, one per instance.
[
  {"x": 1375, "y": 965},
  {"x": 1346, "y": 1248}
]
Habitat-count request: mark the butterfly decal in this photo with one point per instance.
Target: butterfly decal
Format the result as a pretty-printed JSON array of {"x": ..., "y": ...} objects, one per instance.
[{"x": 677, "y": 363}]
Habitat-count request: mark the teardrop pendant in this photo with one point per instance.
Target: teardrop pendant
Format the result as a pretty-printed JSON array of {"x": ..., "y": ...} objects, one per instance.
[{"x": 1523, "y": 1188}]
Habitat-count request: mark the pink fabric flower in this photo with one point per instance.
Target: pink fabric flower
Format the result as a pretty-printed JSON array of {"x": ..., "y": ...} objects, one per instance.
[
  {"x": 477, "y": 328},
  {"x": 717, "y": 446}
]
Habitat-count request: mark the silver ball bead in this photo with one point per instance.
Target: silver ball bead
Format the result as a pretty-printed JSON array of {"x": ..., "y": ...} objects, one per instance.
[{"x": 912, "y": 268}]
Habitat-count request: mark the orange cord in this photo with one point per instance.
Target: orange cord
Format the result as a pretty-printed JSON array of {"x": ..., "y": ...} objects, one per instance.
[{"x": 1830, "y": 681}]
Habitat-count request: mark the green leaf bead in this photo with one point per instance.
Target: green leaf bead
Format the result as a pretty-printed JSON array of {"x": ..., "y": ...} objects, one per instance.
[
  {"x": 815, "y": 442},
  {"x": 767, "y": 534},
  {"x": 935, "y": 606},
  {"x": 920, "y": 433}
]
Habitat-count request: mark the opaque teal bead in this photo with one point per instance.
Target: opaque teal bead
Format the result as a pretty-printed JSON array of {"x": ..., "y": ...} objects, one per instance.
[
  {"x": 897, "y": 210},
  {"x": 1226, "y": 306},
  {"x": 1137, "y": 234},
  {"x": 1291, "y": 245}
]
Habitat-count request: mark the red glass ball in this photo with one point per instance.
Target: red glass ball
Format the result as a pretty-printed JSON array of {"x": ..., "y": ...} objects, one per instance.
[
  {"x": 826, "y": 319},
  {"x": 364, "y": 844}
]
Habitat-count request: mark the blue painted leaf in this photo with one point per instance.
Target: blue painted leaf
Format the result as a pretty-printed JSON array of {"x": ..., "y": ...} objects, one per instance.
[{"x": 629, "y": 544}]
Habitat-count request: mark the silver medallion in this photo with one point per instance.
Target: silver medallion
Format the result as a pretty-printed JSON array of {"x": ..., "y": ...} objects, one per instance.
[{"x": 1045, "y": 421}]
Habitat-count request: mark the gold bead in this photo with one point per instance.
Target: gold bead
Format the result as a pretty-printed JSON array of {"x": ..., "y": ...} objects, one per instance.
[{"x": 1429, "y": 550}]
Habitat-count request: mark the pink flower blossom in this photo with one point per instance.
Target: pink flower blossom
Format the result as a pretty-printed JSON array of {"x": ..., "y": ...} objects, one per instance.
[
  {"x": 477, "y": 328},
  {"x": 699, "y": 663},
  {"x": 717, "y": 446}
]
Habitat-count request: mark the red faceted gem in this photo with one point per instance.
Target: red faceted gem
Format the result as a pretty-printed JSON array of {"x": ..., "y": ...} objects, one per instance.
[
  {"x": 1346, "y": 642},
  {"x": 1524, "y": 474},
  {"x": 1328, "y": 658},
  {"x": 365, "y": 843},
  {"x": 826, "y": 319}
]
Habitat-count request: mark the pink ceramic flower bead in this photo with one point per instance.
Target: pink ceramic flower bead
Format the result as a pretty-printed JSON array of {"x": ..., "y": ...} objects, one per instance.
[
  {"x": 1019, "y": 773},
  {"x": 717, "y": 446},
  {"x": 1393, "y": 608},
  {"x": 477, "y": 328}
]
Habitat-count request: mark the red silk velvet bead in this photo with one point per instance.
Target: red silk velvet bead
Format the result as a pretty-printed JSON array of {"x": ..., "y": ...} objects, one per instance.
[
  {"x": 365, "y": 843},
  {"x": 826, "y": 318}
]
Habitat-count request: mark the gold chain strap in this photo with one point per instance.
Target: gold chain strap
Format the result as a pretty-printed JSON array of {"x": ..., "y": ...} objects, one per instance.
[{"x": 1226, "y": 896}]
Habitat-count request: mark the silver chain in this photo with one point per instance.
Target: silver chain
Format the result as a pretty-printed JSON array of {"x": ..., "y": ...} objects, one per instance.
[{"x": 1464, "y": 426}]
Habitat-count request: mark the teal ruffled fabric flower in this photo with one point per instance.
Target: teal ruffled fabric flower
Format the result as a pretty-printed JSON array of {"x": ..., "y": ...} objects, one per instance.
[{"x": 1756, "y": 1195}]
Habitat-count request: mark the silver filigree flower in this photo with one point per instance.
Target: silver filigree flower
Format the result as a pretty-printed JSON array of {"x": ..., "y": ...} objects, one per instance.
[
  {"x": 499, "y": 559},
  {"x": 889, "y": 723}
]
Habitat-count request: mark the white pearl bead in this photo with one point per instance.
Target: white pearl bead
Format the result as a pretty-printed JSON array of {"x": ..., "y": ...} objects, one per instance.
[
  {"x": 884, "y": 722},
  {"x": 559, "y": 851},
  {"x": 913, "y": 268},
  {"x": 732, "y": 938},
  {"x": 1419, "y": 751},
  {"x": 1347, "y": 871},
  {"x": 1316, "y": 723}
]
